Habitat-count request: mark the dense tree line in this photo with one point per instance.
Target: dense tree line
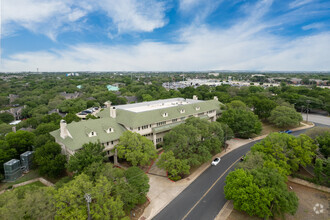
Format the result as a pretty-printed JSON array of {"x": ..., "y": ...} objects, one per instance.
[
  {"x": 258, "y": 185},
  {"x": 189, "y": 145}
]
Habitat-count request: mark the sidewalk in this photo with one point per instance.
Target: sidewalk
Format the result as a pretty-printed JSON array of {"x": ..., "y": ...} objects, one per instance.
[{"x": 162, "y": 191}]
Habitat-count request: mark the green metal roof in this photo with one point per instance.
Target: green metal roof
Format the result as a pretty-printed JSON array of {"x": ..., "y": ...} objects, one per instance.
[
  {"x": 80, "y": 130},
  {"x": 133, "y": 119},
  {"x": 166, "y": 127}
]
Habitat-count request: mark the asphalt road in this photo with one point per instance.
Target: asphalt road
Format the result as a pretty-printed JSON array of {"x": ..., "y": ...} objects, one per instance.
[{"x": 204, "y": 198}]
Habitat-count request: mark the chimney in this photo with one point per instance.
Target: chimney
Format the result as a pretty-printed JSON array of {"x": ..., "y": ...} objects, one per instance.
[
  {"x": 195, "y": 97},
  {"x": 107, "y": 104},
  {"x": 64, "y": 132},
  {"x": 216, "y": 98},
  {"x": 113, "y": 112},
  {"x": 14, "y": 129}
]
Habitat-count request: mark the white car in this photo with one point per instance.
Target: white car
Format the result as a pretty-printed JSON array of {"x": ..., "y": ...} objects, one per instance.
[{"x": 215, "y": 161}]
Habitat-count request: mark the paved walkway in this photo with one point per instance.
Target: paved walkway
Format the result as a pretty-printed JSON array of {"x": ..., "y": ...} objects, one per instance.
[{"x": 162, "y": 190}]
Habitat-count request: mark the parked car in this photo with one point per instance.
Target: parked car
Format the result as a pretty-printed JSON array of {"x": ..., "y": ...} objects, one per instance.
[
  {"x": 215, "y": 161},
  {"x": 287, "y": 131}
]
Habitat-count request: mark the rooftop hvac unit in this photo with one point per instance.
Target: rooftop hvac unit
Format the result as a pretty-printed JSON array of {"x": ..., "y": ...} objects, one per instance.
[
  {"x": 12, "y": 170},
  {"x": 26, "y": 160}
]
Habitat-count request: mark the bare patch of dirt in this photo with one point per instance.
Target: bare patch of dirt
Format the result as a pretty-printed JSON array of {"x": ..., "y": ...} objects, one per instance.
[{"x": 138, "y": 210}]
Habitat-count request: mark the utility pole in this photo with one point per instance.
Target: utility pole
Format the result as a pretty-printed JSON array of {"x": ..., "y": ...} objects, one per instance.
[
  {"x": 88, "y": 200},
  {"x": 308, "y": 102}
]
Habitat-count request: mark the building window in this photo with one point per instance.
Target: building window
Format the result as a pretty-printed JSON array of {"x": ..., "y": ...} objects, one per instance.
[
  {"x": 200, "y": 114},
  {"x": 92, "y": 134},
  {"x": 161, "y": 123},
  {"x": 182, "y": 111},
  {"x": 107, "y": 143},
  {"x": 112, "y": 142},
  {"x": 158, "y": 140},
  {"x": 145, "y": 127},
  {"x": 165, "y": 114},
  {"x": 139, "y": 128},
  {"x": 174, "y": 120},
  {"x": 110, "y": 130}
]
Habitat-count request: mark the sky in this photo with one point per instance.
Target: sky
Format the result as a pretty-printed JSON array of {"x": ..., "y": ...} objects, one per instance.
[{"x": 155, "y": 35}]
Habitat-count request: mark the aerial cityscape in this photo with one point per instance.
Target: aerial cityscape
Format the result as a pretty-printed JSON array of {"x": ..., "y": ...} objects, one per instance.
[{"x": 153, "y": 109}]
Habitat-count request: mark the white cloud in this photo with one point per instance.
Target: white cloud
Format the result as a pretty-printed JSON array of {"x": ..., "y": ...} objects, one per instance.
[
  {"x": 298, "y": 3},
  {"x": 205, "y": 50},
  {"x": 313, "y": 26},
  {"x": 135, "y": 15},
  {"x": 52, "y": 17},
  {"x": 247, "y": 45}
]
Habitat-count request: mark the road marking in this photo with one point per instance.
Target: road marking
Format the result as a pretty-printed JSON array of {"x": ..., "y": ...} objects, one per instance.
[{"x": 209, "y": 189}]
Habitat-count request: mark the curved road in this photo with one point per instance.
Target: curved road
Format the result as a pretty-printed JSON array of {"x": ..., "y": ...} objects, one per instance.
[{"x": 204, "y": 198}]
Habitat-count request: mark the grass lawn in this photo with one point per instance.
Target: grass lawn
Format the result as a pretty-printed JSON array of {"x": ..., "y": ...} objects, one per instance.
[
  {"x": 268, "y": 128},
  {"x": 29, "y": 176},
  {"x": 35, "y": 184}
]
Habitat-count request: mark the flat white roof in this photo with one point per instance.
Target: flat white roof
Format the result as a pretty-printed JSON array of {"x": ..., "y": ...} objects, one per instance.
[{"x": 159, "y": 104}]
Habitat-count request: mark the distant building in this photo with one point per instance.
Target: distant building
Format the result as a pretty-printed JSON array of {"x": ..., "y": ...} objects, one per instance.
[
  {"x": 213, "y": 74},
  {"x": 70, "y": 95},
  {"x": 12, "y": 98},
  {"x": 72, "y": 74},
  {"x": 16, "y": 112},
  {"x": 112, "y": 88},
  {"x": 79, "y": 86}
]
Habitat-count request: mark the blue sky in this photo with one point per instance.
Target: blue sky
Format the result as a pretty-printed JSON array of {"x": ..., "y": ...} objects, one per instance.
[{"x": 154, "y": 35}]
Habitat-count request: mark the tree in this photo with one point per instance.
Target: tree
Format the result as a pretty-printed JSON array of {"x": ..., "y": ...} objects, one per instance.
[
  {"x": 90, "y": 153},
  {"x": 286, "y": 151},
  {"x": 21, "y": 141},
  {"x": 283, "y": 116},
  {"x": 243, "y": 123},
  {"x": 16, "y": 204},
  {"x": 50, "y": 160},
  {"x": 6, "y": 153},
  {"x": 6, "y": 117},
  {"x": 195, "y": 140},
  {"x": 317, "y": 131},
  {"x": 45, "y": 128},
  {"x": 136, "y": 149},
  {"x": 176, "y": 168},
  {"x": 139, "y": 181},
  {"x": 318, "y": 170},
  {"x": 70, "y": 117},
  {"x": 260, "y": 192},
  {"x": 237, "y": 104},
  {"x": 324, "y": 144}
]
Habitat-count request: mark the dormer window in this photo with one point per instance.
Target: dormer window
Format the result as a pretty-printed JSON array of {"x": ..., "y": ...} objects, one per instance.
[
  {"x": 92, "y": 134},
  {"x": 109, "y": 130},
  {"x": 197, "y": 108},
  {"x": 182, "y": 111},
  {"x": 165, "y": 114}
]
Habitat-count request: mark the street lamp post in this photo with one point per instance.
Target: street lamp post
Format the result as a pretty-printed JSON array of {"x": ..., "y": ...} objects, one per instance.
[
  {"x": 88, "y": 200},
  {"x": 308, "y": 102}
]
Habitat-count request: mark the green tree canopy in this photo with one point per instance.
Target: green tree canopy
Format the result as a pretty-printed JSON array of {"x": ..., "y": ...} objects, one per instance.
[
  {"x": 283, "y": 116},
  {"x": 195, "y": 140},
  {"x": 136, "y": 149},
  {"x": 6, "y": 117},
  {"x": 243, "y": 122},
  {"x": 260, "y": 192},
  {"x": 176, "y": 168},
  {"x": 286, "y": 151},
  {"x": 90, "y": 153},
  {"x": 50, "y": 160},
  {"x": 21, "y": 140}
]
